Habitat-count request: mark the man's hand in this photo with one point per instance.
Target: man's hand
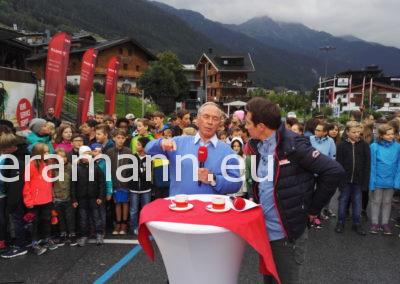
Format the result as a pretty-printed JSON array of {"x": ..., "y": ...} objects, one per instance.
[
  {"x": 204, "y": 175},
  {"x": 108, "y": 197},
  {"x": 75, "y": 204},
  {"x": 98, "y": 201},
  {"x": 168, "y": 145}
]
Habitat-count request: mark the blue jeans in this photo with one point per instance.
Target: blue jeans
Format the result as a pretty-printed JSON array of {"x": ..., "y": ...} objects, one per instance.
[
  {"x": 137, "y": 199},
  {"x": 353, "y": 191}
]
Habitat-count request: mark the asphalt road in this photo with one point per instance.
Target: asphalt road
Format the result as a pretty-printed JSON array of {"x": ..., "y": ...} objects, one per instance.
[{"x": 331, "y": 258}]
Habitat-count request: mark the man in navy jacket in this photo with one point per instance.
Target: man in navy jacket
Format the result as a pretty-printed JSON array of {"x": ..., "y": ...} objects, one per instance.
[{"x": 287, "y": 197}]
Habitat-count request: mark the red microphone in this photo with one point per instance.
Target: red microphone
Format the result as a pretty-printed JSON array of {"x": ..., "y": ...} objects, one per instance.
[{"x": 202, "y": 157}]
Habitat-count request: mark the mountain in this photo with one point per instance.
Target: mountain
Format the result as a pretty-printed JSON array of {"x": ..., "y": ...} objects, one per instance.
[
  {"x": 350, "y": 52},
  {"x": 151, "y": 26},
  {"x": 284, "y": 54},
  {"x": 274, "y": 66}
]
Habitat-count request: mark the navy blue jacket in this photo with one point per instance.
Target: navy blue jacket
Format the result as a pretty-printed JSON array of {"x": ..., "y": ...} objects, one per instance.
[{"x": 295, "y": 164}]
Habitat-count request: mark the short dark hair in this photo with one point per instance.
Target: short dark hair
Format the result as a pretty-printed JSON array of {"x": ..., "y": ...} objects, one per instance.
[
  {"x": 181, "y": 113},
  {"x": 92, "y": 123},
  {"x": 119, "y": 132},
  {"x": 143, "y": 141},
  {"x": 121, "y": 120},
  {"x": 356, "y": 114},
  {"x": 291, "y": 121},
  {"x": 265, "y": 112},
  {"x": 158, "y": 114}
]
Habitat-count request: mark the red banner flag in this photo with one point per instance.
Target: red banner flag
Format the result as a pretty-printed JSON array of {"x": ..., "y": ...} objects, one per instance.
[
  {"x": 86, "y": 84},
  {"x": 56, "y": 72},
  {"x": 111, "y": 85}
]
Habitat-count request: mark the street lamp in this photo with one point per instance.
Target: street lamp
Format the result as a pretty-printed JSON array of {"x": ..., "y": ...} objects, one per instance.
[
  {"x": 126, "y": 87},
  {"x": 326, "y": 48}
]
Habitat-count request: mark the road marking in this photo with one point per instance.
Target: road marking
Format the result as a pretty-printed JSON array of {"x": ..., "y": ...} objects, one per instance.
[
  {"x": 116, "y": 267},
  {"x": 116, "y": 241}
]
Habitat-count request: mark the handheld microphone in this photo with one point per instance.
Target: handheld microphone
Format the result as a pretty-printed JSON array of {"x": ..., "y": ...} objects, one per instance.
[{"x": 202, "y": 157}]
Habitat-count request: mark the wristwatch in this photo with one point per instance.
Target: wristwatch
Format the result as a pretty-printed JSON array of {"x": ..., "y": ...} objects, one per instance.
[{"x": 213, "y": 183}]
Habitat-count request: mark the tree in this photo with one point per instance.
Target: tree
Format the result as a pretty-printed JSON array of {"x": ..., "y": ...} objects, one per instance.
[{"x": 165, "y": 81}]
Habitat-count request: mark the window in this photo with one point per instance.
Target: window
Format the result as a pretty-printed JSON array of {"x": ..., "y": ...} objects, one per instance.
[
  {"x": 137, "y": 68},
  {"x": 226, "y": 62},
  {"x": 125, "y": 66},
  {"x": 130, "y": 51},
  {"x": 120, "y": 50}
]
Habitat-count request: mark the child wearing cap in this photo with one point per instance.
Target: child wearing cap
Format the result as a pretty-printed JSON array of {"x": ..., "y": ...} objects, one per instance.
[{"x": 87, "y": 193}]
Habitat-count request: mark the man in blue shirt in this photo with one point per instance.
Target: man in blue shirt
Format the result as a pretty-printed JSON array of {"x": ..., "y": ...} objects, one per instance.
[{"x": 182, "y": 170}]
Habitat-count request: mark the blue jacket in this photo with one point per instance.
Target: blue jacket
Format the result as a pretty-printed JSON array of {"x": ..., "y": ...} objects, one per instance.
[
  {"x": 325, "y": 145},
  {"x": 187, "y": 185},
  {"x": 34, "y": 138},
  {"x": 384, "y": 165},
  {"x": 108, "y": 182}
]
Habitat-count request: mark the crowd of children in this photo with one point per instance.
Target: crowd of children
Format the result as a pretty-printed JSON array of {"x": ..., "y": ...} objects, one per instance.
[{"x": 43, "y": 215}]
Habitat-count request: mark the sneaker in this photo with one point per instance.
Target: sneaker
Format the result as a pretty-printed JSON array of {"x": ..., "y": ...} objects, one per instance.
[
  {"x": 117, "y": 228},
  {"x": 323, "y": 216},
  {"x": 123, "y": 229},
  {"x": 14, "y": 252},
  {"x": 39, "y": 250},
  {"x": 99, "y": 239},
  {"x": 51, "y": 244},
  {"x": 82, "y": 241},
  {"x": 387, "y": 230},
  {"x": 339, "y": 228},
  {"x": 375, "y": 228},
  {"x": 328, "y": 213},
  {"x": 316, "y": 223},
  {"x": 72, "y": 240},
  {"x": 61, "y": 240},
  {"x": 359, "y": 229}
]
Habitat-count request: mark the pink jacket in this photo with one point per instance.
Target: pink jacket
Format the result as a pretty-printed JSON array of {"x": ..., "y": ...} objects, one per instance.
[
  {"x": 37, "y": 190},
  {"x": 66, "y": 145}
]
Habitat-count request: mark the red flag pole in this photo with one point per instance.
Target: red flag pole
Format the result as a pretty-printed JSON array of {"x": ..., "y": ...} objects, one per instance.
[
  {"x": 86, "y": 84},
  {"x": 111, "y": 85},
  {"x": 56, "y": 72}
]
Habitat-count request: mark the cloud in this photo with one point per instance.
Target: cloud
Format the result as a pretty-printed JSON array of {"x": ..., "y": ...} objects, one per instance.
[{"x": 372, "y": 20}]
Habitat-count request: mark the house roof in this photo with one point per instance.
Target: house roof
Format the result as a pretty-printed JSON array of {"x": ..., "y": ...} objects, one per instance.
[
  {"x": 6, "y": 33},
  {"x": 234, "y": 62},
  {"x": 367, "y": 85},
  {"x": 102, "y": 46}
]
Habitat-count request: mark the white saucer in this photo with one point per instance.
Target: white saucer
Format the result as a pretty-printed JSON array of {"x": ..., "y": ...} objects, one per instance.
[
  {"x": 211, "y": 209},
  {"x": 180, "y": 209}
]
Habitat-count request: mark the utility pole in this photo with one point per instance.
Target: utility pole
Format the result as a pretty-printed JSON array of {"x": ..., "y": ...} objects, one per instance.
[{"x": 326, "y": 48}]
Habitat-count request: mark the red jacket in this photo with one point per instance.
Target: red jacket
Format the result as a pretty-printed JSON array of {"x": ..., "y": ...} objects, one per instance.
[{"x": 37, "y": 190}]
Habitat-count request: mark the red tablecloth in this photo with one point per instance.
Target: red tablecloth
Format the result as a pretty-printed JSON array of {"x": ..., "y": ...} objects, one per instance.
[{"x": 249, "y": 225}]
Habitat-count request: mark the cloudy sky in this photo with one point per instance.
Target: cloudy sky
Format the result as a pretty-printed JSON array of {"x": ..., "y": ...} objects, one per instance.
[{"x": 371, "y": 20}]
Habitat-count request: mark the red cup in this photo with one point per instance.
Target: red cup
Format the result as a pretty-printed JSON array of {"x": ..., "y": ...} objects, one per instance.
[
  {"x": 218, "y": 203},
  {"x": 181, "y": 201}
]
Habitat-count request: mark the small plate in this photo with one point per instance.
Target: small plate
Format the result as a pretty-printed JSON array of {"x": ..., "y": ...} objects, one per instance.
[
  {"x": 180, "y": 209},
  {"x": 211, "y": 209}
]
